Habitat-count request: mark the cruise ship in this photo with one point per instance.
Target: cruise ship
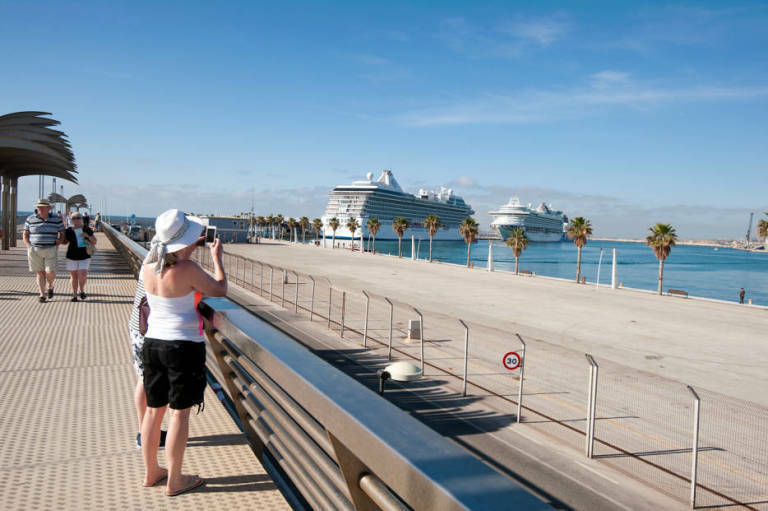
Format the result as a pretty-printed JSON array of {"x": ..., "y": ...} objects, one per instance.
[
  {"x": 540, "y": 224},
  {"x": 385, "y": 200}
]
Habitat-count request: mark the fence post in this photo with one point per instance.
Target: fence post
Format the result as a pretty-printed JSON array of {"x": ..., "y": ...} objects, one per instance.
[
  {"x": 252, "y": 279},
  {"x": 296, "y": 305},
  {"x": 421, "y": 335},
  {"x": 591, "y": 405},
  {"x": 391, "y": 317},
  {"x": 312, "y": 302},
  {"x": 695, "y": 452},
  {"x": 261, "y": 279},
  {"x": 330, "y": 300},
  {"x": 466, "y": 355},
  {"x": 365, "y": 327},
  {"x": 522, "y": 375},
  {"x": 343, "y": 310},
  {"x": 271, "y": 279}
]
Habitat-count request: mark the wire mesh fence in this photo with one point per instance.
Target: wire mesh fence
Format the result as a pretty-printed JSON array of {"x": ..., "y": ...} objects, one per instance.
[{"x": 643, "y": 423}]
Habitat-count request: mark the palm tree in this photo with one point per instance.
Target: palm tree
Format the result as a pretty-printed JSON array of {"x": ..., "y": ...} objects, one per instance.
[
  {"x": 279, "y": 221},
  {"x": 579, "y": 229},
  {"x": 291, "y": 223},
  {"x": 762, "y": 228},
  {"x": 317, "y": 226},
  {"x": 304, "y": 224},
  {"x": 271, "y": 223},
  {"x": 333, "y": 223},
  {"x": 468, "y": 229},
  {"x": 373, "y": 227},
  {"x": 352, "y": 225},
  {"x": 400, "y": 225},
  {"x": 260, "y": 221},
  {"x": 518, "y": 241},
  {"x": 662, "y": 238},
  {"x": 432, "y": 223}
]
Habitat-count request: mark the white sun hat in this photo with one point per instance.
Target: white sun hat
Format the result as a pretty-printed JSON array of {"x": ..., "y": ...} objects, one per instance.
[{"x": 173, "y": 231}]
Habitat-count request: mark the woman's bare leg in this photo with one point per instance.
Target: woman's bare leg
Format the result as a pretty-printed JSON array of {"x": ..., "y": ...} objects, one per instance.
[
  {"x": 175, "y": 444},
  {"x": 73, "y": 280},
  {"x": 82, "y": 276},
  {"x": 140, "y": 400},
  {"x": 150, "y": 441}
]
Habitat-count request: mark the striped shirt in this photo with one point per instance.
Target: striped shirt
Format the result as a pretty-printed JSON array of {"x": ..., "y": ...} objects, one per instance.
[
  {"x": 43, "y": 232},
  {"x": 140, "y": 293}
]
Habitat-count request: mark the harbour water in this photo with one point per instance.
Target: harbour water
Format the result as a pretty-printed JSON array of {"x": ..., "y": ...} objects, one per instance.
[{"x": 701, "y": 271}]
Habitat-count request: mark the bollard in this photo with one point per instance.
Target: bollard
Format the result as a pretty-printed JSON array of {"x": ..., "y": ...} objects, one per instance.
[
  {"x": 365, "y": 327},
  {"x": 343, "y": 307},
  {"x": 466, "y": 355},
  {"x": 695, "y": 451},
  {"x": 522, "y": 375},
  {"x": 391, "y": 317}
]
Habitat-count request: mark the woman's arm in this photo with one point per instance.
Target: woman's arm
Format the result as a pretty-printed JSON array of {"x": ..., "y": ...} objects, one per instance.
[{"x": 210, "y": 286}]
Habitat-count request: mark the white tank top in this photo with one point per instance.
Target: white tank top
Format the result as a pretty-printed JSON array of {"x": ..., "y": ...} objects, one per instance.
[{"x": 175, "y": 319}]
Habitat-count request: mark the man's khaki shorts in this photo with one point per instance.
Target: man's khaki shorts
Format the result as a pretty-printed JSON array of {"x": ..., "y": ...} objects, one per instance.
[{"x": 42, "y": 258}]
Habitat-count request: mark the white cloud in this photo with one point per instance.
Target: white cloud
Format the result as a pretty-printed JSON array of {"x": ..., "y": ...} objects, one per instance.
[
  {"x": 528, "y": 106},
  {"x": 541, "y": 31}
]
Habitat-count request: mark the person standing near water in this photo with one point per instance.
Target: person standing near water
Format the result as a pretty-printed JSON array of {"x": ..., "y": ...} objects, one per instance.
[
  {"x": 173, "y": 354},
  {"x": 741, "y": 295},
  {"x": 78, "y": 258}
]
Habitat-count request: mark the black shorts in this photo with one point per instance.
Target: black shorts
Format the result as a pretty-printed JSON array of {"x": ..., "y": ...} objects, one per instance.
[{"x": 174, "y": 373}]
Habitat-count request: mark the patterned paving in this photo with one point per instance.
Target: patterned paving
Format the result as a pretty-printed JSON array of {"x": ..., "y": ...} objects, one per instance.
[{"x": 67, "y": 421}]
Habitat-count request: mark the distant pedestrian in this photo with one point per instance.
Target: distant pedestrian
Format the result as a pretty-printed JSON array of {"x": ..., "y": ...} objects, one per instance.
[
  {"x": 741, "y": 295},
  {"x": 97, "y": 221},
  {"x": 77, "y": 236},
  {"x": 86, "y": 220},
  {"x": 43, "y": 233}
]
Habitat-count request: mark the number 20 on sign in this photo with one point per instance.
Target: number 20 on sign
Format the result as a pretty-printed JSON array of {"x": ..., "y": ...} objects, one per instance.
[{"x": 511, "y": 360}]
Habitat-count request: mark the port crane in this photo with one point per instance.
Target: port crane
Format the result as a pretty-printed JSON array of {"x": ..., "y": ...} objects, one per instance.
[{"x": 749, "y": 227}]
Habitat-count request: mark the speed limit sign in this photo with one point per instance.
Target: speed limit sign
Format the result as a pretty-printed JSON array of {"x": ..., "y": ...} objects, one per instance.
[{"x": 511, "y": 360}]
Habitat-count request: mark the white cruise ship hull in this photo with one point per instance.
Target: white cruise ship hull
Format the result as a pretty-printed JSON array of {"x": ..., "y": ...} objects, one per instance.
[{"x": 506, "y": 231}]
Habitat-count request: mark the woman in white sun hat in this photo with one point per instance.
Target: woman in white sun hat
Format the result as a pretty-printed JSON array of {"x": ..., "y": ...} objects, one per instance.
[{"x": 173, "y": 354}]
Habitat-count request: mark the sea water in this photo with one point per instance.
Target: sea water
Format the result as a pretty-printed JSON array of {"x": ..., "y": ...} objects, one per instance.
[{"x": 709, "y": 272}]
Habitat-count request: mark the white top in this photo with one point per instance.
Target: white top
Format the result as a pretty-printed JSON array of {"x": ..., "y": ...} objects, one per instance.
[{"x": 175, "y": 319}]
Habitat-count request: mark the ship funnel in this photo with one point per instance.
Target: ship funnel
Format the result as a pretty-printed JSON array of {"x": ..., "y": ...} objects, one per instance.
[{"x": 369, "y": 176}]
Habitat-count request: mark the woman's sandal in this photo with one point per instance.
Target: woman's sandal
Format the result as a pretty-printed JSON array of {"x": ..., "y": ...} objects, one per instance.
[{"x": 197, "y": 483}]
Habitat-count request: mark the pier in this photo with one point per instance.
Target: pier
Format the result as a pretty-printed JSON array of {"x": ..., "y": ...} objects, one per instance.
[{"x": 282, "y": 429}]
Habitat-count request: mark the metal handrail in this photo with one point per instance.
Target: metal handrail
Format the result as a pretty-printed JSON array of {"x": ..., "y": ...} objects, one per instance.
[{"x": 341, "y": 445}]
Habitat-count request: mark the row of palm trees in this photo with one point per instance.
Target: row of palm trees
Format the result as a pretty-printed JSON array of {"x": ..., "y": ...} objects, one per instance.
[{"x": 661, "y": 239}]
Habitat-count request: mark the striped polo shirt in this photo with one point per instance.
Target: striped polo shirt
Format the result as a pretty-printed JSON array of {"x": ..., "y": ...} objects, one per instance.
[
  {"x": 43, "y": 233},
  {"x": 134, "y": 322}
]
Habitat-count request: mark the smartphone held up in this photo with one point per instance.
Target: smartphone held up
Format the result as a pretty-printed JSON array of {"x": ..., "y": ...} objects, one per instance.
[{"x": 208, "y": 237}]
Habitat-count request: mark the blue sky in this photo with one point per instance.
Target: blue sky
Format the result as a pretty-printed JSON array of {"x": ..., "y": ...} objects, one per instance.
[{"x": 626, "y": 113}]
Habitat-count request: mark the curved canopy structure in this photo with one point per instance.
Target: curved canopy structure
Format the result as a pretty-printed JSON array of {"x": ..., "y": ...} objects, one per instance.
[{"x": 30, "y": 146}]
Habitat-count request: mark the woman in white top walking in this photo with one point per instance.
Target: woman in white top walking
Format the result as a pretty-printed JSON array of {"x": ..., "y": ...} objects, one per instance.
[{"x": 173, "y": 354}]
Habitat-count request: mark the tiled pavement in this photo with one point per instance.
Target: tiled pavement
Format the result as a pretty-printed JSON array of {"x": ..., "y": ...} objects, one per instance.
[{"x": 67, "y": 421}]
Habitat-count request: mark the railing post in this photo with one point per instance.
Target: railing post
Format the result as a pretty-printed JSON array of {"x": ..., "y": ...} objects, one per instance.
[
  {"x": 365, "y": 327},
  {"x": 391, "y": 317},
  {"x": 271, "y": 279},
  {"x": 522, "y": 376},
  {"x": 695, "y": 452},
  {"x": 296, "y": 305},
  {"x": 252, "y": 279},
  {"x": 343, "y": 310},
  {"x": 466, "y": 355},
  {"x": 282, "y": 289},
  {"x": 261, "y": 279},
  {"x": 330, "y": 301},
  {"x": 312, "y": 302},
  {"x": 591, "y": 405},
  {"x": 421, "y": 335}
]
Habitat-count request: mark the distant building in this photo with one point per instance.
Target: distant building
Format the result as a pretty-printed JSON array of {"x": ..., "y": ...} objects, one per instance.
[{"x": 230, "y": 229}]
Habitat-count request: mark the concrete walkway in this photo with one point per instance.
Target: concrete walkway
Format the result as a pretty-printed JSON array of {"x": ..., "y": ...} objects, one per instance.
[{"x": 68, "y": 425}]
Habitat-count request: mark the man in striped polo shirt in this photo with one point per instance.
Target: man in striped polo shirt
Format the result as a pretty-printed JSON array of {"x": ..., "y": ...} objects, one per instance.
[{"x": 43, "y": 233}]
